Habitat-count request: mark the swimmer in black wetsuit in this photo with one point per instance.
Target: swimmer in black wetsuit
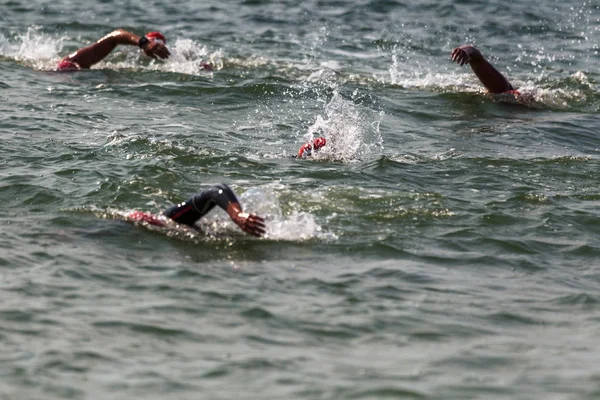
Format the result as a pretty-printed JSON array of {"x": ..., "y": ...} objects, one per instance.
[{"x": 199, "y": 205}]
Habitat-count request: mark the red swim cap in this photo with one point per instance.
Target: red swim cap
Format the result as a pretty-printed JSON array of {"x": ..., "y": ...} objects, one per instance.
[
  {"x": 156, "y": 36},
  {"x": 306, "y": 149},
  {"x": 65, "y": 66}
]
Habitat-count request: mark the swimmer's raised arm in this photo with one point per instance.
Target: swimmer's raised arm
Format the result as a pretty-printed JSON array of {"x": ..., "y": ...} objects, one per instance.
[
  {"x": 489, "y": 76},
  {"x": 219, "y": 195},
  {"x": 152, "y": 43}
]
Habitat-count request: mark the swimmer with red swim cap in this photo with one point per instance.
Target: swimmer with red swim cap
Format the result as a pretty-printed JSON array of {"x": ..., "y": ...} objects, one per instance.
[
  {"x": 313, "y": 146},
  {"x": 153, "y": 44},
  {"x": 199, "y": 205},
  {"x": 489, "y": 76}
]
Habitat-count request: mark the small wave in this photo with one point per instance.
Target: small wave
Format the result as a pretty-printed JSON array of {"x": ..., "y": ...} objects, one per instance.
[
  {"x": 410, "y": 213},
  {"x": 140, "y": 146},
  {"x": 170, "y": 229},
  {"x": 578, "y": 300},
  {"x": 537, "y": 97}
]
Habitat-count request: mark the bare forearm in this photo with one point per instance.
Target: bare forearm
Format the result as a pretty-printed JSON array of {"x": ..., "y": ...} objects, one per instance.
[
  {"x": 249, "y": 223},
  {"x": 123, "y": 37},
  {"x": 234, "y": 209},
  {"x": 490, "y": 77},
  {"x": 94, "y": 53}
]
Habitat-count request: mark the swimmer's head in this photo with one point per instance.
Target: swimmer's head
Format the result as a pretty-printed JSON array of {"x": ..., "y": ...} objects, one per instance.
[
  {"x": 157, "y": 37},
  {"x": 67, "y": 66},
  {"x": 206, "y": 66},
  {"x": 307, "y": 149}
]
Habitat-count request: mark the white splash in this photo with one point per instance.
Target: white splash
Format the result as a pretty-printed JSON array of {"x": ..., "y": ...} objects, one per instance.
[
  {"x": 420, "y": 76},
  {"x": 188, "y": 56},
  {"x": 352, "y": 131},
  {"x": 33, "y": 48},
  {"x": 535, "y": 96},
  {"x": 293, "y": 226}
]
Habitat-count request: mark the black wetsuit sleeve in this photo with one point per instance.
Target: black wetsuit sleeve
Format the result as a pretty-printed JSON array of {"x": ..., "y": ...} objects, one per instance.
[{"x": 199, "y": 205}]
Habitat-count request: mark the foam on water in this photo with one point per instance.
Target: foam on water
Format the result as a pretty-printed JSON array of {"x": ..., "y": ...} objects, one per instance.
[
  {"x": 351, "y": 130},
  {"x": 408, "y": 72},
  {"x": 142, "y": 146},
  {"x": 33, "y": 48},
  {"x": 295, "y": 225},
  {"x": 186, "y": 57}
]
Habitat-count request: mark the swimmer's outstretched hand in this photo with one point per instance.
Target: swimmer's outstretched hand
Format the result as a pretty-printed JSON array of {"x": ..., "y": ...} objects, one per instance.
[
  {"x": 489, "y": 76},
  {"x": 156, "y": 49},
  {"x": 249, "y": 223},
  {"x": 466, "y": 54}
]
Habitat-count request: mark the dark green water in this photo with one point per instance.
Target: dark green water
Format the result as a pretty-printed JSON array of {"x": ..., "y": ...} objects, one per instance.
[{"x": 445, "y": 248}]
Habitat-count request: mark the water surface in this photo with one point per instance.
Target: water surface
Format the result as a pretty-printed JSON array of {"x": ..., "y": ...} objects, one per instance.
[{"x": 445, "y": 248}]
